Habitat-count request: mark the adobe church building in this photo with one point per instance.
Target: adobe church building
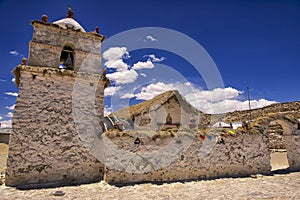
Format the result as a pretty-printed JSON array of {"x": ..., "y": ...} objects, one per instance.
[
  {"x": 57, "y": 138},
  {"x": 166, "y": 110},
  {"x": 45, "y": 147}
]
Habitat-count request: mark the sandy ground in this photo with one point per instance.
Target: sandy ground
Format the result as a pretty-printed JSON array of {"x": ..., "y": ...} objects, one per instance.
[
  {"x": 3, "y": 156},
  {"x": 281, "y": 185}
]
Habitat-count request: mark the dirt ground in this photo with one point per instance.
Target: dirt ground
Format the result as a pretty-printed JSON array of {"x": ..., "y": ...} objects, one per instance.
[
  {"x": 281, "y": 185},
  {"x": 3, "y": 156}
]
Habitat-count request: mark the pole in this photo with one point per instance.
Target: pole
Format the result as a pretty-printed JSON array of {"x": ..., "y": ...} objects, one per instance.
[{"x": 249, "y": 103}]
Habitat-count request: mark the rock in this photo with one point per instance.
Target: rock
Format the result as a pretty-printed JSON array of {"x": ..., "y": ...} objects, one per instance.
[{"x": 58, "y": 193}]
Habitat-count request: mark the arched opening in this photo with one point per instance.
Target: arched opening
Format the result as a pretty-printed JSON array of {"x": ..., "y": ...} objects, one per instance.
[
  {"x": 67, "y": 58},
  {"x": 277, "y": 131}
]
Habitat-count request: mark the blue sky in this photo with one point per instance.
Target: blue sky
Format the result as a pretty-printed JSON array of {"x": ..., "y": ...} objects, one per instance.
[{"x": 249, "y": 41}]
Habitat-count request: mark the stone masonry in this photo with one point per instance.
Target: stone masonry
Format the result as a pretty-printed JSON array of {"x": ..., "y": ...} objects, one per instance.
[
  {"x": 49, "y": 40},
  {"x": 48, "y": 146},
  {"x": 293, "y": 149},
  {"x": 239, "y": 155},
  {"x": 44, "y": 145}
]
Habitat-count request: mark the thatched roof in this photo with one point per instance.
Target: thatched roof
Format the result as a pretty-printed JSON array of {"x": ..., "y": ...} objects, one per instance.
[{"x": 154, "y": 104}]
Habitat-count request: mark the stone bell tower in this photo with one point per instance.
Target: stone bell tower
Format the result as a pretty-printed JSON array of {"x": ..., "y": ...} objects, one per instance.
[{"x": 45, "y": 147}]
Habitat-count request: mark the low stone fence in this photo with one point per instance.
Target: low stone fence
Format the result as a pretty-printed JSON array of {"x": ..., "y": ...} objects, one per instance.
[{"x": 207, "y": 156}]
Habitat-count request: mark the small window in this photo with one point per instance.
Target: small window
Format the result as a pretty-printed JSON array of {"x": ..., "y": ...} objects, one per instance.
[{"x": 67, "y": 58}]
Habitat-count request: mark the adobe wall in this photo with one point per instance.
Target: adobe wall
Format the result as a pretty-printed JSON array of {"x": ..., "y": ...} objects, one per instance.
[
  {"x": 44, "y": 146},
  {"x": 158, "y": 113},
  {"x": 293, "y": 149},
  {"x": 238, "y": 155},
  {"x": 48, "y": 41},
  {"x": 292, "y": 141}
]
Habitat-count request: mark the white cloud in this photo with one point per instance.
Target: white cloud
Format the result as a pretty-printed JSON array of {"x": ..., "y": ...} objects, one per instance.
[
  {"x": 11, "y": 94},
  {"x": 107, "y": 110},
  {"x": 119, "y": 65},
  {"x": 1, "y": 118},
  {"x": 122, "y": 77},
  {"x": 230, "y": 105},
  {"x": 143, "y": 65},
  {"x": 10, "y": 107},
  {"x": 109, "y": 91},
  {"x": 151, "y": 38},
  {"x": 115, "y": 53},
  {"x": 143, "y": 74},
  {"x": 14, "y": 53},
  {"x": 152, "y": 90},
  {"x": 153, "y": 58},
  {"x": 5, "y": 124},
  {"x": 114, "y": 57},
  {"x": 2, "y": 80},
  {"x": 217, "y": 94},
  {"x": 219, "y": 100},
  {"x": 13, "y": 79},
  {"x": 9, "y": 114},
  {"x": 127, "y": 96}
]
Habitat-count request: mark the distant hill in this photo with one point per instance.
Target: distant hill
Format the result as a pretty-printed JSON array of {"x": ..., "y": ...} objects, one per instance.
[{"x": 291, "y": 109}]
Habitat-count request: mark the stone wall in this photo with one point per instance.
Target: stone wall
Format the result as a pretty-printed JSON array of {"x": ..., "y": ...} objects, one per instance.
[
  {"x": 293, "y": 149},
  {"x": 48, "y": 42},
  {"x": 231, "y": 156},
  {"x": 276, "y": 135},
  {"x": 45, "y": 147},
  {"x": 157, "y": 113}
]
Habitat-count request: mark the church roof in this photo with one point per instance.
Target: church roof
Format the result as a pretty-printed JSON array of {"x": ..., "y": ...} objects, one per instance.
[
  {"x": 154, "y": 104},
  {"x": 69, "y": 23}
]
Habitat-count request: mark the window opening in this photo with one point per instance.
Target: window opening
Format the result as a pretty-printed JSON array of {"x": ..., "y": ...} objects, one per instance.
[{"x": 67, "y": 58}]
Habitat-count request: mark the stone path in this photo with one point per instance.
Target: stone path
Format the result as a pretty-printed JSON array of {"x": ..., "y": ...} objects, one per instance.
[{"x": 278, "y": 186}]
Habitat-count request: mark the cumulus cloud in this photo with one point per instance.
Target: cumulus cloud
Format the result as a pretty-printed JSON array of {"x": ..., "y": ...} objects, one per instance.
[
  {"x": 13, "y": 80},
  {"x": 119, "y": 65},
  {"x": 153, "y": 58},
  {"x": 150, "y": 38},
  {"x": 11, "y": 94},
  {"x": 152, "y": 90},
  {"x": 127, "y": 96},
  {"x": 122, "y": 77},
  {"x": 114, "y": 58},
  {"x": 230, "y": 105},
  {"x": 107, "y": 110},
  {"x": 219, "y": 100},
  {"x": 9, "y": 114},
  {"x": 217, "y": 94},
  {"x": 143, "y": 65},
  {"x": 143, "y": 74},
  {"x": 109, "y": 91},
  {"x": 5, "y": 124},
  {"x": 11, "y": 107},
  {"x": 123, "y": 74},
  {"x": 115, "y": 53},
  {"x": 14, "y": 53}
]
